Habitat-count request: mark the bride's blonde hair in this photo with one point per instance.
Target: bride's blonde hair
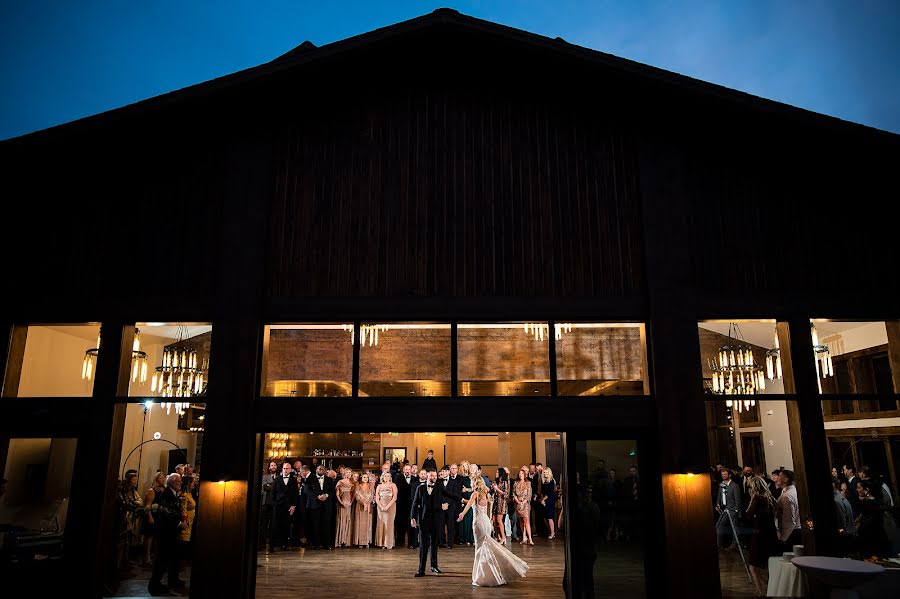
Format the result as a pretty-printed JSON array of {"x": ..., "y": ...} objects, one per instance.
[{"x": 480, "y": 487}]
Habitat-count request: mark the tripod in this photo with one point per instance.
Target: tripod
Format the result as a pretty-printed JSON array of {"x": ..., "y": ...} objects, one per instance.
[{"x": 738, "y": 541}]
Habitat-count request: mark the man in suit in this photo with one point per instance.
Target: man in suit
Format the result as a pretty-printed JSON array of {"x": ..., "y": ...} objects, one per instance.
[
  {"x": 427, "y": 514},
  {"x": 538, "y": 528},
  {"x": 284, "y": 503},
  {"x": 728, "y": 502},
  {"x": 453, "y": 493},
  {"x": 319, "y": 492},
  {"x": 301, "y": 516},
  {"x": 403, "y": 533},
  {"x": 419, "y": 480},
  {"x": 168, "y": 527},
  {"x": 265, "y": 504}
]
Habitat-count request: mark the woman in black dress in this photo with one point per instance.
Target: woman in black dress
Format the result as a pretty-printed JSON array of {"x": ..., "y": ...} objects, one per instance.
[
  {"x": 764, "y": 542},
  {"x": 873, "y": 539}
]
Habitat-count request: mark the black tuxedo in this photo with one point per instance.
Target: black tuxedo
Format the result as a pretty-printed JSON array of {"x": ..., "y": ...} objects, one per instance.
[
  {"x": 402, "y": 529},
  {"x": 321, "y": 513},
  {"x": 426, "y": 510},
  {"x": 301, "y": 515},
  {"x": 284, "y": 497},
  {"x": 453, "y": 495},
  {"x": 429, "y": 464}
]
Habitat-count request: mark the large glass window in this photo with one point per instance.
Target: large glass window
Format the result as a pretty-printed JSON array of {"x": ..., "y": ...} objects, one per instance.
[
  {"x": 855, "y": 358},
  {"x": 745, "y": 357},
  {"x": 34, "y": 504},
  {"x": 404, "y": 359},
  {"x": 308, "y": 360},
  {"x": 504, "y": 359},
  {"x": 52, "y": 361},
  {"x": 600, "y": 359}
]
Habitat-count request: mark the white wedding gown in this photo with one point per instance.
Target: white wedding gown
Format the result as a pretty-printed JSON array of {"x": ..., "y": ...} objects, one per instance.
[{"x": 494, "y": 564}]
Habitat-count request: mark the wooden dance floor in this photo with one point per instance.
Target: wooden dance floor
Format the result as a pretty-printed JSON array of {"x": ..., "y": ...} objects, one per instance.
[{"x": 360, "y": 573}]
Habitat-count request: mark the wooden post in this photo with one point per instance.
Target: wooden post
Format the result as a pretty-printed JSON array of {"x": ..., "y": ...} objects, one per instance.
[
  {"x": 13, "y": 355},
  {"x": 893, "y": 335}
]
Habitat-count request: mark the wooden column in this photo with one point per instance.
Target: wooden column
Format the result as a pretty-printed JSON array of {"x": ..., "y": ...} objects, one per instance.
[
  {"x": 90, "y": 538},
  {"x": 808, "y": 444},
  {"x": 691, "y": 560},
  {"x": 893, "y": 335},
  {"x": 225, "y": 527},
  {"x": 12, "y": 356}
]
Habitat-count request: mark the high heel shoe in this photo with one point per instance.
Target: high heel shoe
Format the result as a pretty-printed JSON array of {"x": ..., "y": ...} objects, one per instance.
[{"x": 531, "y": 542}]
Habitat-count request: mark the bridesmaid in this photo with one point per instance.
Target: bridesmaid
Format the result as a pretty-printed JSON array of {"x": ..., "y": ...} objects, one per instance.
[
  {"x": 344, "y": 494},
  {"x": 466, "y": 533},
  {"x": 362, "y": 531},
  {"x": 548, "y": 500},
  {"x": 522, "y": 497},
  {"x": 386, "y": 498},
  {"x": 501, "y": 493}
]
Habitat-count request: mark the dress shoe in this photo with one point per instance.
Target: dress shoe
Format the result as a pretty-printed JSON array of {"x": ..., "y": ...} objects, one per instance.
[
  {"x": 419, "y": 574},
  {"x": 437, "y": 570}
]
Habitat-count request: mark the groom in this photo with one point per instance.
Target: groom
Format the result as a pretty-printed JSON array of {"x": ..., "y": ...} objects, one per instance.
[{"x": 427, "y": 514}]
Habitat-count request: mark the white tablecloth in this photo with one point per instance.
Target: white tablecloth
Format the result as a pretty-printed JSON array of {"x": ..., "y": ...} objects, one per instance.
[{"x": 785, "y": 579}]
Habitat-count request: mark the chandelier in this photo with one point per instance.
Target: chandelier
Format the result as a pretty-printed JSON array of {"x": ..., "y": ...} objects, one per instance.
[
  {"x": 182, "y": 374},
  {"x": 734, "y": 370},
  {"x": 822, "y": 354},
  {"x": 369, "y": 332},
  {"x": 538, "y": 329},
  {"x": 138, "y": 360}
]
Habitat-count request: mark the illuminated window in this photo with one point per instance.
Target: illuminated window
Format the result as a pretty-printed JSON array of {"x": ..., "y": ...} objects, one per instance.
[
  {"x": 52, "y": 361},
  {"x": 308, "y": 360},
  {"x": 504, "y": 359},
  {"x": 404, "y": 359},
  {"x": 600, "y": 359}
]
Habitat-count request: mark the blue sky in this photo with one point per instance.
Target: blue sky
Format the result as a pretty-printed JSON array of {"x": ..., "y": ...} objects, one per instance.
[{"x": 63, "y": 60}]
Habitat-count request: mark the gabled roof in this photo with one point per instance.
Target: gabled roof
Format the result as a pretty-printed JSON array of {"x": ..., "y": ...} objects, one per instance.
[{"x": 308, "y": 52}]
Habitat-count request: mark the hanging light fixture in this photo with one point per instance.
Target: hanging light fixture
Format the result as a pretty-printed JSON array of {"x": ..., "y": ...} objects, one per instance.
[
  {"x": 182, "y": 374},
  {"x": 735, "y": 371},
  {"x": 773, "y": 361},
  {"x": 369, "y": 332},
  {"x": 138, "y": 360},
  {"x": 822, "y": 353},
  {"x": 560, "y": 328},
  {"x": 536, "y": 329}
]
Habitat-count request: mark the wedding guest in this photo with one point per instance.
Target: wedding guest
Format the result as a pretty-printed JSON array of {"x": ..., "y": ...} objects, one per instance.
[
  {"x": 763, "y": 540},
  {"x": 386, "y": 499},
  {"x": 500, "y": 487},
  {"x": 512, "y": 531},
  {"x": 301, "y": 527},
  {"x": 548, "y": 500},
  {"x": 537, "y": 511},
  {"x": 319, "y": 491},
  {"x": 727, "y": 502},
  {"x": 128, "y": 504},
  {"x": 284, "y": 504},
  {"x": 631, "y": 497},
  {"x": 453, "y": 494},
  {"x": 842, "y": 509},
  {"x": 872, "y": 538},
  {"x": 179, "y": 469},
  {"x": 403, "y": 533},
  {"x": 522, "y": 497},
  {"x": 148, "y": 527},
  {"x": 189, "y": 512},
  {"x": 343, "y": 493},
  {"x": 787, "y": 511},
  {"x": 466, "y": 532},
  {"x": 613, "y": 491},
  {"x": 414, "y": 470},
  {"x": 866, "y": 473},
  {"x": 265, "y": 504},
  {"x": 776, "y": 482},
  {"x": 429, "y": 463},
  {"x": 362, "y": 531},
  {"x": 167, "y": 516}
]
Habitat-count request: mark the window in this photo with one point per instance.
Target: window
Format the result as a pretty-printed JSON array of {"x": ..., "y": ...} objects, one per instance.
[
  {"x": 52, "y": 361},
  {"x": 308, "y": 360},
  {"x": 853, "y": 358},
  {"x": 504, "y": 359},
  {"x": 744, "y": 357},
  {"x": 600, "y": 359},
  {"x": 405, "y": 359}
]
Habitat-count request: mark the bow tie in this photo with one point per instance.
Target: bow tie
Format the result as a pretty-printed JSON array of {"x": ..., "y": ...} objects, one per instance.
[{"x": 430, "y": 484}]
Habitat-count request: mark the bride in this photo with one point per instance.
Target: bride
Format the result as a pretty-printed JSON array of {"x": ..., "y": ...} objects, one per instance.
[{"x": 494, "y": 564}]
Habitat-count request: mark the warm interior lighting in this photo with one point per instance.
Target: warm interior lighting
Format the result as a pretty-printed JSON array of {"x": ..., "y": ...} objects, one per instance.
[
  {"x": 138, "y": 360},
  {"x": 822, "y": 355},
  {"x": 735, "y": 371},
  {"x": 181, "y": 374}
]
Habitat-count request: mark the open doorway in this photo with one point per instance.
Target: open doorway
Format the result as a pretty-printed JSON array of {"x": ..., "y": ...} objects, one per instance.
[{"x": 356, "y": 542}]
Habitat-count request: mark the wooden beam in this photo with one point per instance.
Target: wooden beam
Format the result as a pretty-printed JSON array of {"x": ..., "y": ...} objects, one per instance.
[
  {"x": 13, "y": 356},
  {"x": 893, "y": 335}
]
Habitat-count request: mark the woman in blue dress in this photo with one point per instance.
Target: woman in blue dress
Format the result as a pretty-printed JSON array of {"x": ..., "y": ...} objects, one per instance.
[{"x": 548, "y": 500}]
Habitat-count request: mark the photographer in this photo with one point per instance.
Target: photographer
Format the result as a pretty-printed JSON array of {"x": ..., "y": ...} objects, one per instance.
[{"x": 728, "y": 502}]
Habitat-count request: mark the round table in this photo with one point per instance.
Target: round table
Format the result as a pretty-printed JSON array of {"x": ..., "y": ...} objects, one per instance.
[
  {"x": 785, "y": 579},
  {"x": 842, "y": 575}
]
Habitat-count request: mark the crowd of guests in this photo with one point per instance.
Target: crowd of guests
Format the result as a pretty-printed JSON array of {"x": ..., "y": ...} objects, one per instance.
[
  {"x": 618, "y": 502},
  {"x": 160, "y": 522},
  {"x": 762, "y": 514},
  {"x": 307, "y": 505}
]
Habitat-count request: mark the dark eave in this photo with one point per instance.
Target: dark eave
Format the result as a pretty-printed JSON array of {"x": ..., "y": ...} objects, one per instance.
[{"x": 308, "y": 52}]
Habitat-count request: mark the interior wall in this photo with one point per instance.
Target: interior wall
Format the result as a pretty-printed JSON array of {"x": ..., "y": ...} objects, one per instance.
[
  {"x": 60, "y": 467},
  {"x": 868, "y": 335},
  {"x": 23, "y": 453},
  {"x": 153, "y": 456},
  {"x": 776, "y": 436},
  {"x": 53, "y": 359}
]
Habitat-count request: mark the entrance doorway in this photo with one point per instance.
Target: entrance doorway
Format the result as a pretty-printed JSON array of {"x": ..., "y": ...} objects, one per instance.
[{"x": 361, "y": 549}]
